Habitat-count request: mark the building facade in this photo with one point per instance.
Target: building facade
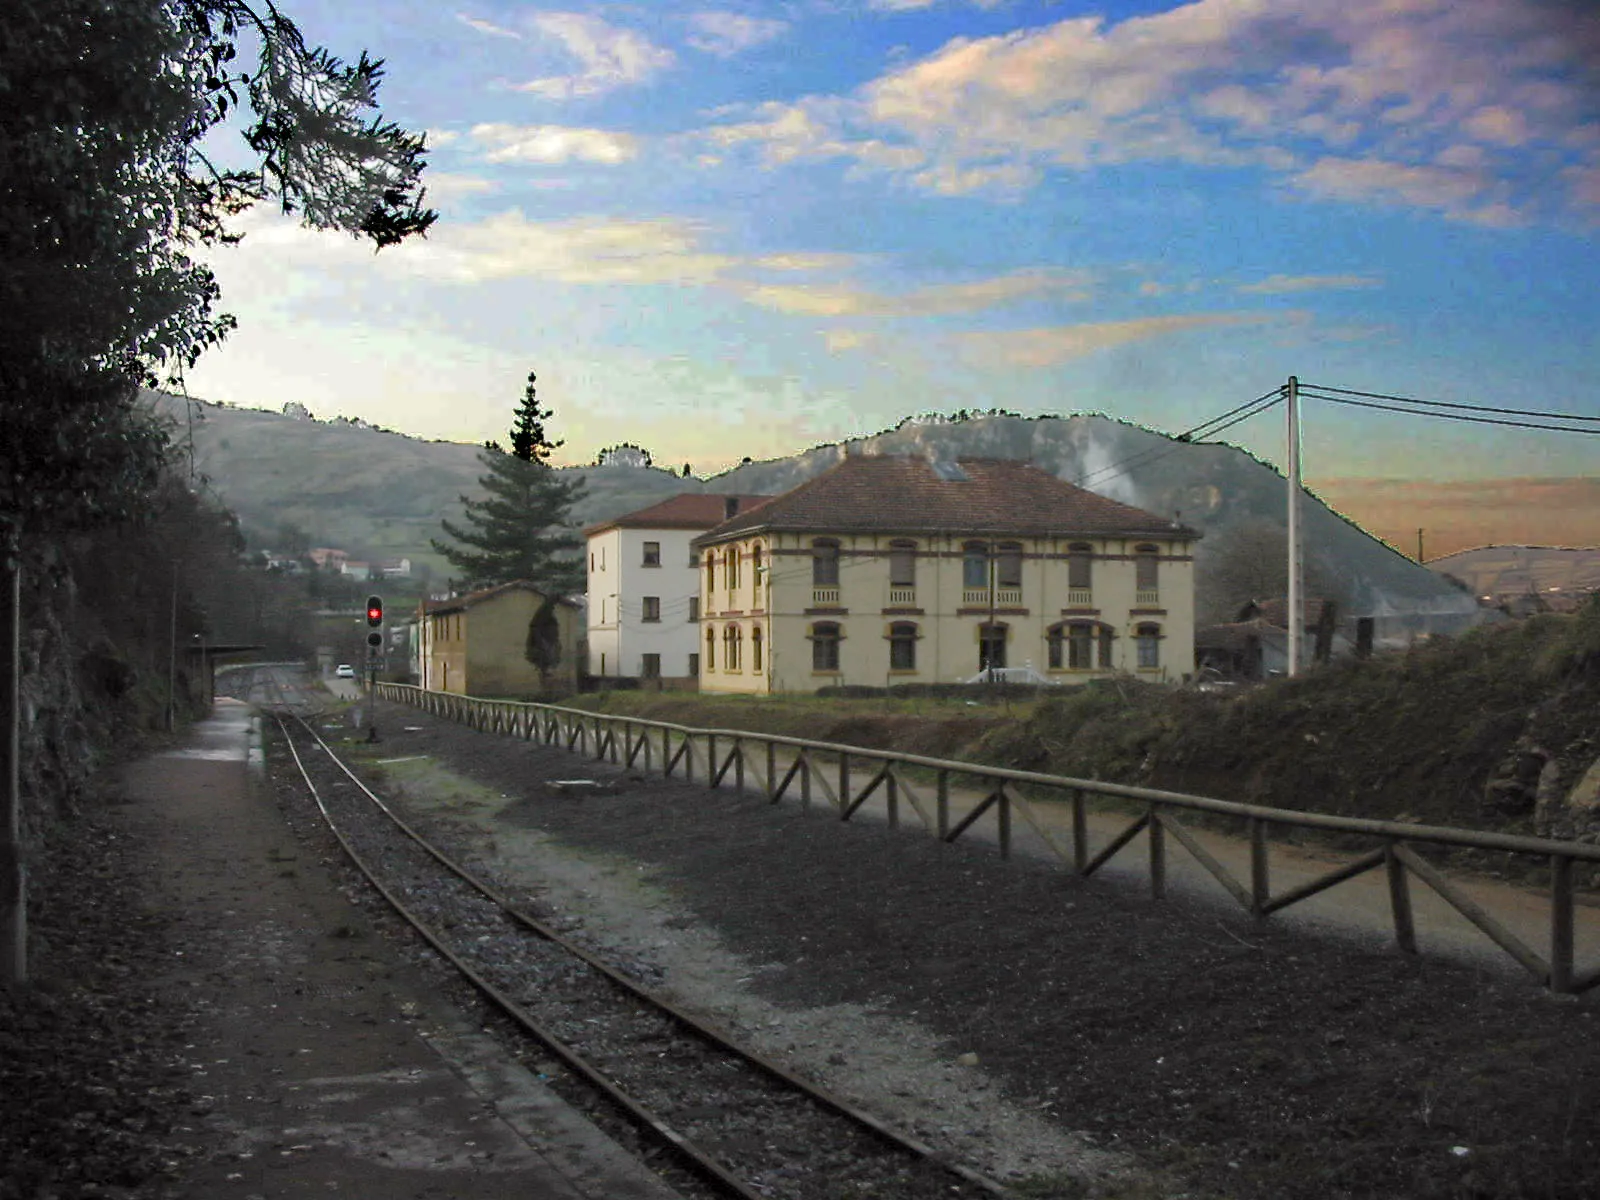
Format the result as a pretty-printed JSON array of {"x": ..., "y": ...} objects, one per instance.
[
  {"x": 889, "y": 570},
  {"x": 477, "y": 644},
  {"x": 643, "y": 588}
]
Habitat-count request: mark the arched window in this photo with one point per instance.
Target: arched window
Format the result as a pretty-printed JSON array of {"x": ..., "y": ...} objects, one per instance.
[
  {"x": 903, "y": 646},
  {"x": 1080, "y": 572},
  {"x": 730, "y": 648},
  {"x": 1144, "y": 565},
  {"x": 755, "y": 570},
  {"x": 974, "y": 565},
  {"x": 711, "y": 649},
  {"x": 902, "y": 564},
  {"x": 1008, "y": 565},
  {"x": 755, "y": 650},
  {"x": 711, "y": 571},
  {"x": 1147, "y": 638},
  {"x": 730, "y": 568},
  {"x": 1072, "y": 645},
  {"x": 825, "y": 646},
  {"x": 992, "y": 646},
  {"x": 824, "y": 563}
]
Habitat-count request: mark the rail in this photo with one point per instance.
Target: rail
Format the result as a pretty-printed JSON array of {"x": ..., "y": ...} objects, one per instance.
[{"x": 717, "y": 753}]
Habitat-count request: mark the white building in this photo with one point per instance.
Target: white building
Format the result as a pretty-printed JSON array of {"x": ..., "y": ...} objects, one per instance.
[{"x": 644, "y": 587}]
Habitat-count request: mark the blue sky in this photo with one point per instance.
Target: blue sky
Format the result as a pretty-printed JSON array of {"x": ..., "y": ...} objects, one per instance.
[{"x": 744, "y": 228}]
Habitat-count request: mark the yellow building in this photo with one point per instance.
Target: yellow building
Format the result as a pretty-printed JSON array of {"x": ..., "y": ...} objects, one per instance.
[
  {"x": 477, "y": 644},
  {"x": 887, "y": 570}
]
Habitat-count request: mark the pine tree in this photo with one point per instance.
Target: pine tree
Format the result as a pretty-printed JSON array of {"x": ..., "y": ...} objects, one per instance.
[{"x": 519, "y": 529}]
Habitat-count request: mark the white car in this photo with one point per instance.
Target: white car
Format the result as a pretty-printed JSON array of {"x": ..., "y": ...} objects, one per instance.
[{"x": 344, "y": 671}]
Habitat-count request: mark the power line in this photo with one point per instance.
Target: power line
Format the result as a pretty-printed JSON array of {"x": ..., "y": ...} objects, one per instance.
[
  {"x": 1482, "y": 408},
  {"x": 1454, "y": 416},
  {"x": 1196, "y": 435}
]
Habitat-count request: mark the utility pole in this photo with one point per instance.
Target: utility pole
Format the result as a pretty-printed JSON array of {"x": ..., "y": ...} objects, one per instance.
[
  {"x": 13, "y": 862},
  {"x": 1420, "y": 559},
  {"x": 1294, "y": 618}
]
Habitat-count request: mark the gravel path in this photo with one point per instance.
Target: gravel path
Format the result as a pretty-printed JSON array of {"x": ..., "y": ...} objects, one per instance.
[{"x": 1070, "y": 1036}]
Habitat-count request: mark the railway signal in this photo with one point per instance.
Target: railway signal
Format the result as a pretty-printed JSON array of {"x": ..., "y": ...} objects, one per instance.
[{"x": 375, "y": 611}]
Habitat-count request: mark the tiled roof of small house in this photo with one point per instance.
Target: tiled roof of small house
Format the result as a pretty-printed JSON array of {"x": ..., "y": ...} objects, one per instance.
[
  {"x": 687, "y": 510},
  {"x": 903, "y": 494},
  {"x": 472, "y": 599}
]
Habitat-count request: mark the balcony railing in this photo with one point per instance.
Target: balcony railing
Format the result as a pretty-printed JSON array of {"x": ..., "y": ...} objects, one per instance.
[
  {"x": 1079, "y": 597},
  {"x": 1147, "y": 596},
  {"x": 902, "y": 596},
  {"x": 825, "y": 596},
  {"x": 1008, "y": 597},
  {"x": 971, "y": 596}
]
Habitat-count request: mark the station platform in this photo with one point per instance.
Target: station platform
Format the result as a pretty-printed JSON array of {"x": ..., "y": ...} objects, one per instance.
[{"x": 323, "y": 1062}]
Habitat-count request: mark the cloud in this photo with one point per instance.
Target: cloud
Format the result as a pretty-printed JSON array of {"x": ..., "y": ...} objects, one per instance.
[
  {"x": 445, "y": 185},
  {"x": 1464, "y": 194},
  {"x": 936, "y": 300},
  {"x": 1050, "y": 347},
  {"x": 552, "y": 144},
  {"x": 488, "y": 28},
  {"x": 608, "y": 57},
  {"x": 1276, "y": 285},
  {"x": 726, "y": 34},
  {"x": 1270, "y": 84}
]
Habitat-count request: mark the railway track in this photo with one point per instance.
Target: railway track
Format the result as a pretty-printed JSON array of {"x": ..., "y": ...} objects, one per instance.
[{"x": 730, "y": 1123}]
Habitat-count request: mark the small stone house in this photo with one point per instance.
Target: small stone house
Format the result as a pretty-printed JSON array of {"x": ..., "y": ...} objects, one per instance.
[{"x": 477, "y": 644}]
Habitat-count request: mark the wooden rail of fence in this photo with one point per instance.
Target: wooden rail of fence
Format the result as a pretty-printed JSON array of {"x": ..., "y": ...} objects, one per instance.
[{"x": 713, "y": 754}]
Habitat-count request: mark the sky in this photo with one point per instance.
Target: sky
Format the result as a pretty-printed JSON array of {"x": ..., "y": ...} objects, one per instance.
[{"x": 720, "y": 230}]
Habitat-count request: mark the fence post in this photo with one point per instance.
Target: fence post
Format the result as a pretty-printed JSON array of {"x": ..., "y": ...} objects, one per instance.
[
  {"x": 738, "y": 765},
  {"x": 1080, "y": 832},
  {"x": 805, "y": 779},
  {"x": 772, "y": 771},
  {"x": 1260, "y": 879},
  {"x": 943, "y": 823},
  {"x": 711, "y": 760},
  {"x": 1158, "y": 855},
  {"x": 1560, "y": 923},
  {"x": 1405, "y": 931},
  {"x": 844, "y": 785},
  {"x": 1004, "y": 817},
  {"x": 892, "y": 786}
]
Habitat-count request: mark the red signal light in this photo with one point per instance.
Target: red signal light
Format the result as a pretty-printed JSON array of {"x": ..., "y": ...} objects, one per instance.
[{"x": 374, "y": 611}]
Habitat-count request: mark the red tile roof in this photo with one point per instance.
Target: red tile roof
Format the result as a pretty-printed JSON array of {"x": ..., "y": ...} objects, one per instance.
[
  {"x": 903, "y": 494},
  {"x": 687, "y": 510}
]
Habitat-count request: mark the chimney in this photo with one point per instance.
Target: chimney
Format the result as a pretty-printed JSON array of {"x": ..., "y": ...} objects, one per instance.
[{"x": 730, "y": 505}]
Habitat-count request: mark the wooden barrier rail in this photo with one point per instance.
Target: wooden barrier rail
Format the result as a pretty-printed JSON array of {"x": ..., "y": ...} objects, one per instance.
[{"x": 724, "y": 751}]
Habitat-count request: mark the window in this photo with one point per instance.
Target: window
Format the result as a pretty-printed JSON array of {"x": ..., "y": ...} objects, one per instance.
[
  {"x": 711, "y": 571},
  {"x": 1008, "y": 567},
  {"x": 1144, "y": 559},
  {"x": 650, "y": 666},
  {"x": 1148, "y": 640},
  {"x": 755, "y": 568},
  {"x": 902, "y": 646},
  {"x": 975, "y": 565},
  {"x": 694, "y": 608},
  {"x": 902, "y": 564},
  {"x": 755, "y": 649},
  {"x": 591, "y": 561},
  {"x": 1080, "y": 573},
  {"x": 825, "y": 563},
  {"x": 652, "y": 609},
  {"x": 652, "y": 554},
  {"x": 730, "y": 648},
  {"x": 991, "y": 646},
  {"x": 694, "y": 665},
  {"x": 730, "y": 568},
  {"x": 825, "y": 646},
  {"x": 1080, "y": 645},
  {"x": 711, "y": 649}
]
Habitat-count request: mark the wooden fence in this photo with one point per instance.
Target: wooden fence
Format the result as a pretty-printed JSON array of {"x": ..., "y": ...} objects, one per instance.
[{"x": 848, "y": 776}]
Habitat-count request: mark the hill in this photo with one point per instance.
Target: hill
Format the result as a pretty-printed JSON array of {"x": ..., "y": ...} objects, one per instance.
[
  {"x": 381, "y": 494},
  {"x": 1509, "y": 572}
]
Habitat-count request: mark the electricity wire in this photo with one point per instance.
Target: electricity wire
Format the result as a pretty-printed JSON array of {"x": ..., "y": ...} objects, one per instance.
[
  {"x": 1420, "y": 412},
  {"x": 1481, "y": 408}
]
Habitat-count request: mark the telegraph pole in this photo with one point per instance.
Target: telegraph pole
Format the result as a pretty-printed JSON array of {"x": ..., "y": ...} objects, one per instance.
[
  {"x": 13, "y": 861},
  {"x": 1293, "y": 431}
]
